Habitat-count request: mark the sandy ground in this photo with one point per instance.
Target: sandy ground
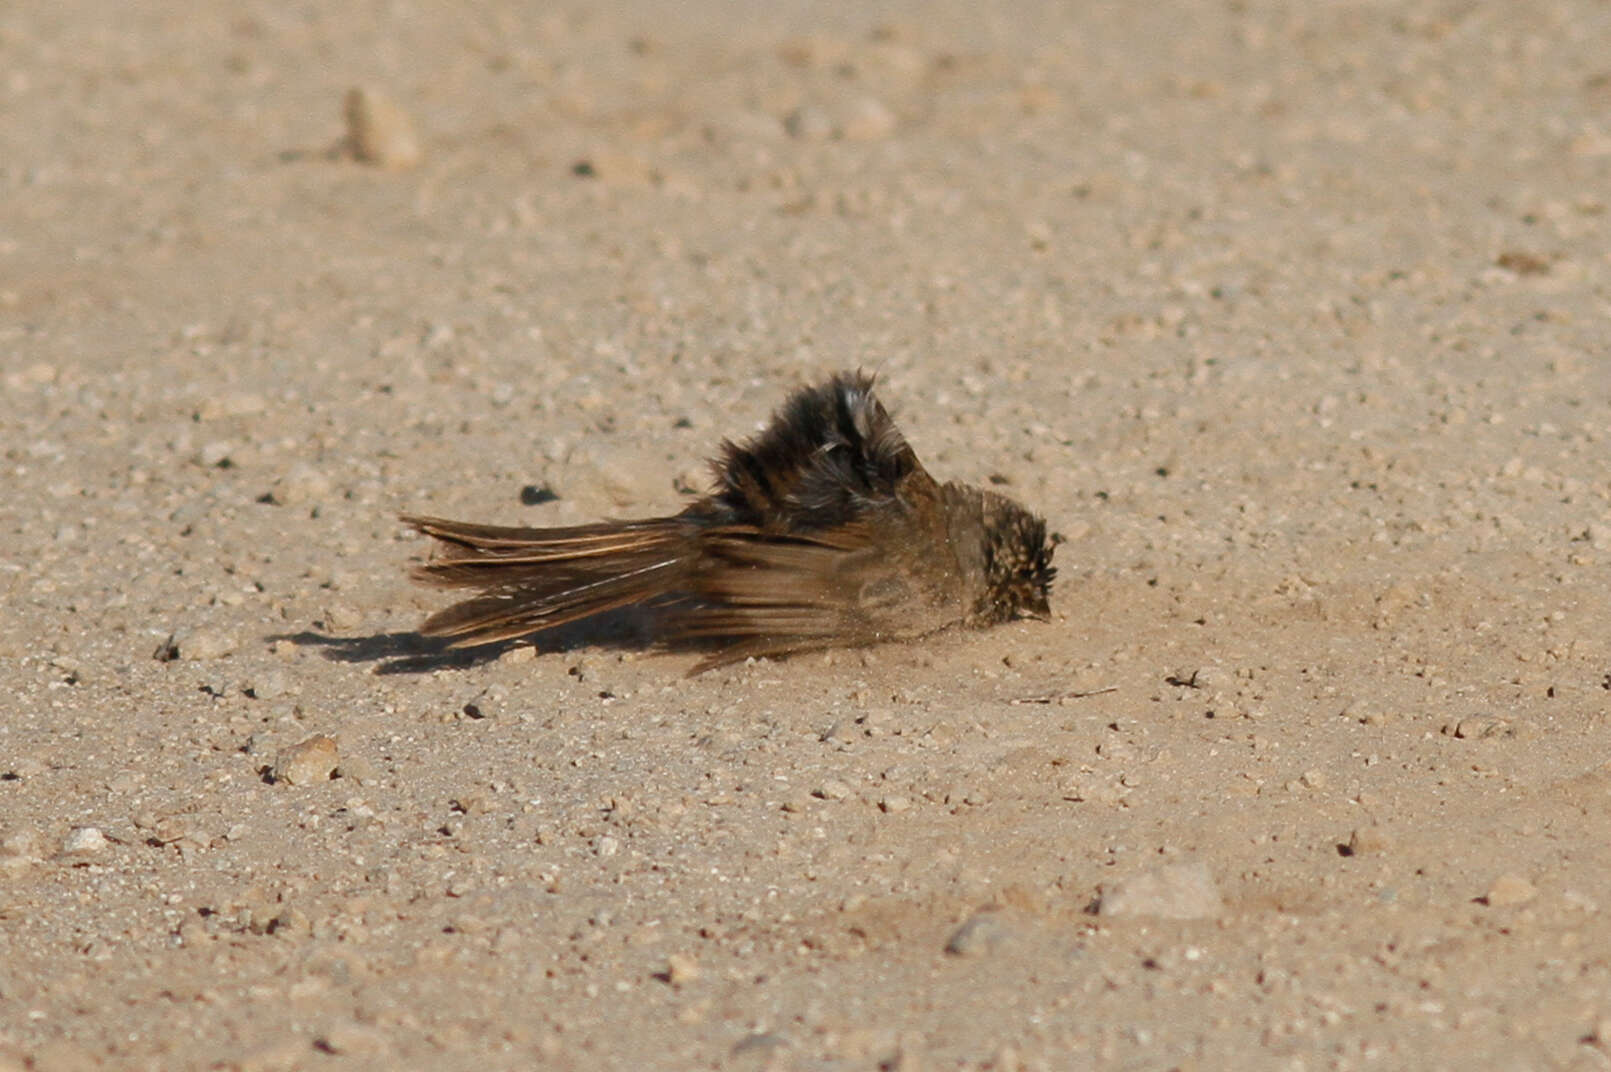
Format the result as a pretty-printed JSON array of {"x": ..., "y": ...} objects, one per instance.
[{"x": 1293, "y": 322}]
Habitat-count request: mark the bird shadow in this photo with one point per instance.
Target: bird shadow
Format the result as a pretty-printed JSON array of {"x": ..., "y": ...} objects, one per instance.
[{"x": 414, "y": 653}]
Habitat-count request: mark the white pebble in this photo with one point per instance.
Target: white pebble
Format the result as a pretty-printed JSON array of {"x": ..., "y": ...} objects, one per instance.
[
  {"x": 206, "y": 644},
  {"x": 1178, "y": 891},
  {"x": 1510, "y": 889},
  {"x": 84, "y": 841},
  {"x": 379, "y": 132}
]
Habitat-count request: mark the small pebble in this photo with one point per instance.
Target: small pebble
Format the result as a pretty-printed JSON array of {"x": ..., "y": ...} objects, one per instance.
[
  {"x": 302, "y": 483},
  {"x": 352, "y": 1039},
  {"x": 306, "y": 762},
  {"x": 472, "y": 802},
  {"x": 894, "y": 804},
  {"x": 681, "y": 969},
  {"x": 867, "y": 119},
  {"x": 205, "y": 643},
  {"x": 290, "y": 922},
  {"x": 1366, "y": 841},
  {"x": 379, "y": 132},
  {"x": 762, "y": 1048},
  {"x": 831, "y": 790},
  {"x": 1510, "y": 889},
  {"x": 35, "y": 375},
  {"x": 808, "y": 123},
  {"x": 1178, "y": 891},
  {"x": 26, "y": 767},
  {"x": 270, "y": 685},
  {"x": 624, "y": 477},
  {"x": 342, "y": 616},
  {"x": 616, "y": 169},
  {"x": 1579, "y": 900},
  {"x": 358, "y": 769},
  {"x": 84, "y": 841},
  {"x": 982, "y": 933},
  {"x": 236, "y": 404},
  {"x": 215, "y": 454},
  {"x": 1212, "y": 677},
  {"x": 1479, "y": 726},
  {"x": 20, "y": 843}
]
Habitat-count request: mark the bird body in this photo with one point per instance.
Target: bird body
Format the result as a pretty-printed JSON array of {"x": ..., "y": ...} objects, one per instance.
[{"x": 823, "y": 531}]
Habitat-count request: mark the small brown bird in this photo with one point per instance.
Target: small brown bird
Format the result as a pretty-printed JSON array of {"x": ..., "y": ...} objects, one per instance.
[{"x": 823, "y": 531}]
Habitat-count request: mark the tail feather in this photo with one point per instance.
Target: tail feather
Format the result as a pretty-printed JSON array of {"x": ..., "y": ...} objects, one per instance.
[
  {"x": 505, "y": 613},
  {"x": 460, "y": 542},
  {"x": 536, "y": 579}
]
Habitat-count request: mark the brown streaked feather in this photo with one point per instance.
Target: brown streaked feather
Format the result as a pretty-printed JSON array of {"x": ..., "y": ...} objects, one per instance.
[
  {"x": 515, "y": 610},
  {"x": 753, "y": 596},
  {"x": 461, "y": 542},
  {"x": 537, "y": 579}
]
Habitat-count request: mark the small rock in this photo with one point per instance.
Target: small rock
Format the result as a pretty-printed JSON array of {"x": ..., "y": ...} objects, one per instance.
[
  {"x": 831, "y": 790},
  {"x": 306, "y": 762},
  {"x": 1366, "y": 841},
  {"x": 1212, "y": 677},
  {"x": 982, "y": 933},
  {"x": 290, "y": 922},
  {"x": 302, "y": 483},
  {"x": 761, "y": 1048},
  {"x": 624, "y": 476},
  {"x": 867, "y": 119},
  {"x": 23, "y": 843},
  {"x": 746, "y": 124},
  {"x": 35, "y": 375},
  {"x": 894, "y": 804},
  {"x": 234, "y": 404},
  {"x": 472, "y": 802},
  {"x": 342, "y": 616},
  {"x": 61, "y": 1056},
  {"x": 616, "y": 169},
  {"x": 607, "y": 846},
  {"x": 84, "y": 841},
  {"x": 26, "y": 767},
  {"x": 270, "y": 685},
  {"x": 205, "y": 643},
  {"x": 358, "y": 769},
  {"x": 1510, "y": 889},
  {"x": 215, "y": 455},
  {"x": 1579, "y": 900},
  {"x": 1479, "y": 726},
  {"x": 1178, "y": 891},
  {"x": 1314, "y": 779},
  {"x": 281, "y": 1055},
  {"x": 808, "y": 123},
  {"x": 353, "y": 1039},
  {"x": 379, "y": 132},
  {"x": 681, "y": 969}
]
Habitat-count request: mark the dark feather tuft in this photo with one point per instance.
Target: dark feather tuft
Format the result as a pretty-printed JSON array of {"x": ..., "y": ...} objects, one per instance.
[{"x": 828, "y": 454}]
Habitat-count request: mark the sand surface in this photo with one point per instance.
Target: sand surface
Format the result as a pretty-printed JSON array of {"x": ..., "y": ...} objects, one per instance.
[{"x": 1293, "y": 319}]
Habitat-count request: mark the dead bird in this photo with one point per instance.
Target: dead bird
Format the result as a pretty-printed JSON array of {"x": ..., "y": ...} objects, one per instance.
[{"x": 822, "y": 531}]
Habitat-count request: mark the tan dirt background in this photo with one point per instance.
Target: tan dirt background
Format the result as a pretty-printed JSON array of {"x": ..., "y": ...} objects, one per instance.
[{"x": 1292, "y": 318}]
